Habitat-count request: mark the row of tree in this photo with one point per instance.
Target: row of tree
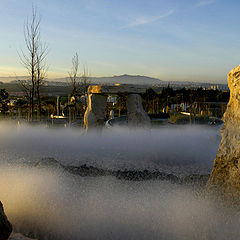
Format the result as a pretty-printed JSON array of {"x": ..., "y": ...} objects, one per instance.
[{"x": 158, "y": 102}]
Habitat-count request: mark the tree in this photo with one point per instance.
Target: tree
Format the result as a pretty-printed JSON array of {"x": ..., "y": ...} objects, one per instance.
[
  {"x": 41, "y": 69},
  {"x": 121, "y": 103},
  {"x": 74, "y": 76},
  {"x": 20, "y": 104},
  {"x": 84, "y": 82},
  {"x": 4, "y": 100},
  {"x": 33, "y": 59},
  {"x": 79, "y": 84}
]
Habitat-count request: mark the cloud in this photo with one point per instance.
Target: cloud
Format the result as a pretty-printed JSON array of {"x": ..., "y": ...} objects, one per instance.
[
  {"x": 205, "y": 2},
  {"x": 146, "y": 20}
]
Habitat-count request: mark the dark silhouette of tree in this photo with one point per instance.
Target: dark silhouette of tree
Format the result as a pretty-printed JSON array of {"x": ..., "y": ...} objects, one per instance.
[
  {"x": 4, "y": 100},
  {"x": 121, "y": 103}
]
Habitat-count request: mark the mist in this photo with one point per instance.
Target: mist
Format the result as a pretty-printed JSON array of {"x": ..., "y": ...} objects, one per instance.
[
  {"x": 176, "y": 149},
  {"x": 53, "y": 204},
  {"x": 50, "y": 205}
]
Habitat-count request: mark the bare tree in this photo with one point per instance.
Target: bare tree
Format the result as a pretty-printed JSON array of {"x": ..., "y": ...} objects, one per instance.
[
  {"x": 33, "y": 59},
  {"x": 84, "y": 81},
  {"x": 41, "y": 73},
  {"x": 27, "y": 89},
  {"x": 79, "y": 83},
  {"x": 74, "y": 75},
  {"x": 74, "y": 78}
]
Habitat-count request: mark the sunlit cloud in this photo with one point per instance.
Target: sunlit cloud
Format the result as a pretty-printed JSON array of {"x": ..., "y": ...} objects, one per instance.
[
  {"x": 146, "y": 20},
  {"x": 205, "y": 2}
]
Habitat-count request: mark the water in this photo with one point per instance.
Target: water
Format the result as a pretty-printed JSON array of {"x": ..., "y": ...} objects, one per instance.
[{"x": 55, "y": 205}]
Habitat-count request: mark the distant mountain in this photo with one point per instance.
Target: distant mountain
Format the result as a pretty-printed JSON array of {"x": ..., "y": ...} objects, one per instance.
[
  {"x": 12, "y": 79},
  {"x": 127, "y": 79},
  {"x": 122, "y": 79}
]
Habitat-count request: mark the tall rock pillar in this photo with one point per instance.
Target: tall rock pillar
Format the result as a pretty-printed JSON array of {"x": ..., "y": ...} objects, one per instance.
[
  {"x": 94, "y": 115},
  {"x": 137, "y": 117},
  {"x": 225, "y": 176}
]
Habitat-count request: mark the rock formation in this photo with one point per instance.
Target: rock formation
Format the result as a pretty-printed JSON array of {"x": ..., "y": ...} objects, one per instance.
[
  {"x": 225, "y": 177},
  {"x": 137, "y": 117},
  {"x": 94, "y": 115},
  {"x": 97, "y": 99},
  {"x": 5, "y": 225}
]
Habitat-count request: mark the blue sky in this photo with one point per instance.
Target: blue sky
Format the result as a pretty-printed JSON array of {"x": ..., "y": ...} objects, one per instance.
[{"x": 187, "y": 40}]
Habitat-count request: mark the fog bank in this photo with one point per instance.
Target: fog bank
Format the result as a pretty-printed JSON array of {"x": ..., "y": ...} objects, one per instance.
[
  {"x": 176, "y": 149},
  {"x": 57, "y": 206},
  {"x": 49, "y": 204}
]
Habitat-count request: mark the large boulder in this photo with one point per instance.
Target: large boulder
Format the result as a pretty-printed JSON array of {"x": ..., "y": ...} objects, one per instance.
[
  {"x": 225, "y": 176},
  {"x": 5, "y": 225}
]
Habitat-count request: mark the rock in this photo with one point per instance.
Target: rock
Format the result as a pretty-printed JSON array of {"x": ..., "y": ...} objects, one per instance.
[
  {"x": 94, "y": 115},
  {"x": 5, "y": 225},
  {"x": 97, "y": 101},
  {"x": 49, "y": 163},
  {"x": 133, "y": 175},
  {"x": 19, "y": 236},
  {"x": 196, "y": 179},
  {"x": 137, "y": 117},
  {"x": 225, "y": 176}
]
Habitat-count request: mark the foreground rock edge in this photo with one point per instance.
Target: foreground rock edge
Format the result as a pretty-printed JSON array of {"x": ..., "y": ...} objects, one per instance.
[
  {"x": 5, "y": 225},
  {"x": 225, "y": 176}
]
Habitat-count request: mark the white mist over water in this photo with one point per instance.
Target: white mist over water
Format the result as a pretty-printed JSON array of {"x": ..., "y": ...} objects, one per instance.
[{"x": 57, "y": 205}]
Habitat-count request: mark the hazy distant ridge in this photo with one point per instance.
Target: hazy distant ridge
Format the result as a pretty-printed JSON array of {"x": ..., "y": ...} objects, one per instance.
[
  {"x": 127, "y": 79},
  {"x": 122, "y": 79}
]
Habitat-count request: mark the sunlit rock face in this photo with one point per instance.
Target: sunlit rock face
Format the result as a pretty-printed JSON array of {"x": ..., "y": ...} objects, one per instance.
[
  {"x": 225, "y": 176},
  {"x": 5, "y": 225},
  {"x": 94, "y": 115},
  {"x": 137, "y": 117}
]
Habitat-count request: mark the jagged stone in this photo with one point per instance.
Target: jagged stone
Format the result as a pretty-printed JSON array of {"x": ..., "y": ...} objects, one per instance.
[
  {"x": 5, "y": 225},
  {"x": 225, "y": 176},
  {"x": 94, "y": 115},
  {"x": 137, "y": 117}
]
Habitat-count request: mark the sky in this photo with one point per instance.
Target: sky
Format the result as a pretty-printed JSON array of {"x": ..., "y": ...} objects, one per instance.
[{"x": 173, "y": 40}]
